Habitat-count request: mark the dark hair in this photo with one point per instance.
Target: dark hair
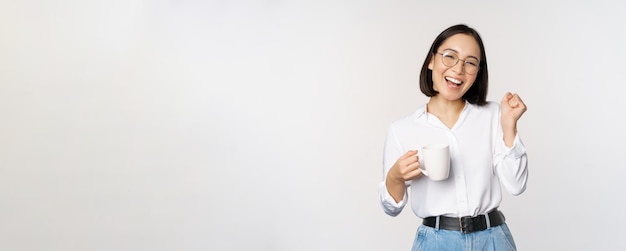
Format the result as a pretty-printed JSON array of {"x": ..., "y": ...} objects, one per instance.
[{"x": 477, "y": 94}]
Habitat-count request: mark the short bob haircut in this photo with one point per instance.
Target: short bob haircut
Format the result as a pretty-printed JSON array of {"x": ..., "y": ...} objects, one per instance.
[{"x": 477, "y": 94}]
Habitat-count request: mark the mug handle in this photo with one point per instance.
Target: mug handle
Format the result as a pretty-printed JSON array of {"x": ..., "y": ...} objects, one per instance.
[
  {"x": 419, "y": 157},
  {"x": 423, "y": 171}
]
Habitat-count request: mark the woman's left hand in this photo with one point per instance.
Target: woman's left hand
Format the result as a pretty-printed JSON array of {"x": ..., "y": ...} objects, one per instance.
[{"x": 512, "y": 107}]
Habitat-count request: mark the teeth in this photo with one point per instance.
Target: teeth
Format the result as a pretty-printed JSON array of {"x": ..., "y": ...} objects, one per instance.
[{"x": 456, "y": 81}]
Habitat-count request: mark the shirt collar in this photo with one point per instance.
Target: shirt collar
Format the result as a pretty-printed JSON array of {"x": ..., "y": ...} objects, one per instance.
[{"x": 421, "y": 113}]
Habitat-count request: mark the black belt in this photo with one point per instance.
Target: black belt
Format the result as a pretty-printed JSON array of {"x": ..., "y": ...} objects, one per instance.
[{"x": 467, "y": 224}]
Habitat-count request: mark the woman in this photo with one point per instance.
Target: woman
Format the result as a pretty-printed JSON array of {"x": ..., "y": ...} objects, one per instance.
[{"x": 460, "y": 212}]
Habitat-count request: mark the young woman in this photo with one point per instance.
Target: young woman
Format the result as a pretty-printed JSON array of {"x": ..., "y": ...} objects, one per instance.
[{"x": 460, "y": 212}]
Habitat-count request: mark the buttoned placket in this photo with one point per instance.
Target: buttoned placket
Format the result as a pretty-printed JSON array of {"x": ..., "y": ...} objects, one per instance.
[{"x": 456, "y": 169}]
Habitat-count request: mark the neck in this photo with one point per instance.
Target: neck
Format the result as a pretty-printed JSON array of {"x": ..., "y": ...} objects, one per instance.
[{"x": 442, "y": 106}]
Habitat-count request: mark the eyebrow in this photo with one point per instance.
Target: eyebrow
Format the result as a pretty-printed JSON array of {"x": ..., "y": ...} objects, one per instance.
[{"x": 453, "y": 50}]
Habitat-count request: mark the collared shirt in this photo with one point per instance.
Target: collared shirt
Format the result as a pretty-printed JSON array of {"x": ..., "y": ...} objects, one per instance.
[{"x": 480, "y": 163}]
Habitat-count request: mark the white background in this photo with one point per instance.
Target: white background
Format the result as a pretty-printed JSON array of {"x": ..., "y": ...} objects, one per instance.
[{"x": 259, "y": 125}]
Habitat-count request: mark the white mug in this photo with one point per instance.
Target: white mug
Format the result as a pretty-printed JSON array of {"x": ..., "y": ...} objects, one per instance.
[{"x": 435, "y": 161}]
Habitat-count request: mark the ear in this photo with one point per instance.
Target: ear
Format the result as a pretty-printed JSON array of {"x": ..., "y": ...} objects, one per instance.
[{"x": 431, "y": 63}]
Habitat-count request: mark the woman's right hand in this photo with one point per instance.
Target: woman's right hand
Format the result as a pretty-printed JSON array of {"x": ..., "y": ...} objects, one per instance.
[{"x": 406, "y": 167}]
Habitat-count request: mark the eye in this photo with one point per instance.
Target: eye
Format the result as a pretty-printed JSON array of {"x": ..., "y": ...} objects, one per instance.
[
  {"x": 472, "y": 63},
  {"x": 449, "y": 55}
]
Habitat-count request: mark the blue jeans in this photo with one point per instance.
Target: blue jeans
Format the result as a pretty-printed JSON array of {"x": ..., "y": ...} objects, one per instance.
[{"x": 497, "y": 238}]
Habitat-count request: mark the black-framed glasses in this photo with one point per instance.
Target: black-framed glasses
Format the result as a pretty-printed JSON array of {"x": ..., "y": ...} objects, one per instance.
[{"x": 449, "y": 59}]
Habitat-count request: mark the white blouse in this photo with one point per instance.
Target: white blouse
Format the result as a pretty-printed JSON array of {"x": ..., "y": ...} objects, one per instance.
[{"x": 480, "y": 163}]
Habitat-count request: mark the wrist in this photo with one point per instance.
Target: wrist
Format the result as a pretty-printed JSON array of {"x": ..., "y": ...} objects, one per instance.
[
  {"x": 508, "y": 124},
  {"x": 509, "y": 131},
  {"x": 391, "y": 180}
]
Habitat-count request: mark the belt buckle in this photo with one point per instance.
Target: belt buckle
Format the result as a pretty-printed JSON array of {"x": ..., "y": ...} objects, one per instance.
[{"x": 462, "y": 221}]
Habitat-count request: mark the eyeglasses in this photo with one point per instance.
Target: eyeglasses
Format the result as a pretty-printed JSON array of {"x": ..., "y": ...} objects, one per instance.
[{"x": 450, "y": 59}]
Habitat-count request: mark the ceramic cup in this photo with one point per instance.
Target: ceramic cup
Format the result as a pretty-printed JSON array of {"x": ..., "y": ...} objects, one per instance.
[{"x": 435, "y": 161}]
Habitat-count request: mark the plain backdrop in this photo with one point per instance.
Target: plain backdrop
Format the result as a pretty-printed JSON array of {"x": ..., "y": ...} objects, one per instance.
[{"x": 259, "y": 125}]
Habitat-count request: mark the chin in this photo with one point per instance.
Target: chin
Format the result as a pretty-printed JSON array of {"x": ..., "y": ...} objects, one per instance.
[{"x": 450, "y": 97}]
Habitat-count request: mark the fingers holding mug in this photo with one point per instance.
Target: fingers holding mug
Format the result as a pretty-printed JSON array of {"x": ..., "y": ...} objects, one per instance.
[{"x": 406, "y": 167}]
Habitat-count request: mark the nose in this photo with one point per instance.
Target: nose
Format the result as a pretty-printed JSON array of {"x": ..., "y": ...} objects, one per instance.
[{"x": 459, "y": 67}]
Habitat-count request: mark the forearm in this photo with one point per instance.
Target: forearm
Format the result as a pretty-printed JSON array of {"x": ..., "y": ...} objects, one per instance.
[
  {"x": 509, "y": 131},
  {"x": 511, "y": 164},
  {"x": 513, "y": 173},
  {"x": 396, "y": 188}
]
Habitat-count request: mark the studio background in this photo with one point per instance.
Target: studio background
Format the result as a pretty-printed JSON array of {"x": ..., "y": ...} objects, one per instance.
[{"x": 259, "y": 125}]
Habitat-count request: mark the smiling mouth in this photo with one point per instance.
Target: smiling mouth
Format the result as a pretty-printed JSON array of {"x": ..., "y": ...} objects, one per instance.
[{"x": 454, "y": 81}]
